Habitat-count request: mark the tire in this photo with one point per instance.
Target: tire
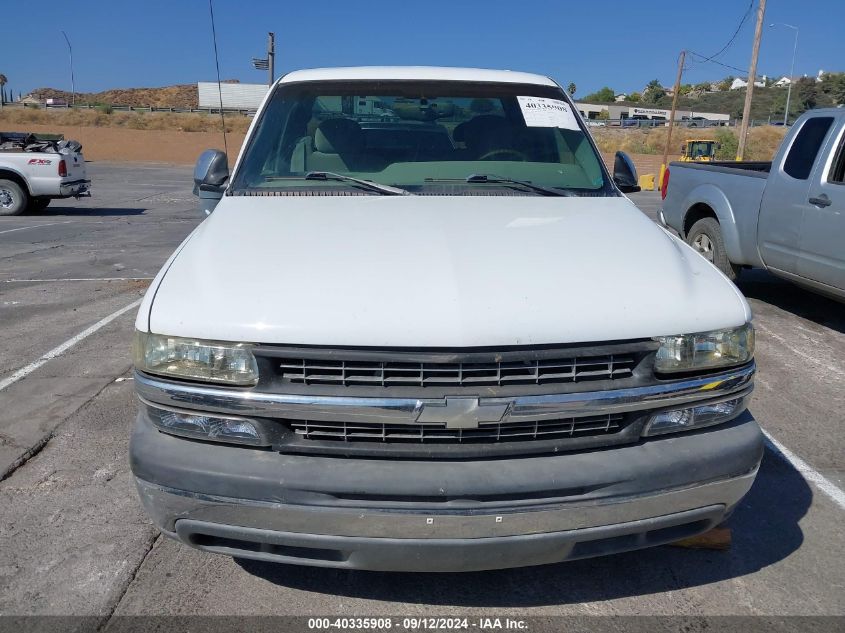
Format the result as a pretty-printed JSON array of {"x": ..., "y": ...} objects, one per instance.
[
  {"x": 13, "y": 199},
  {"x": 37, "y": 205},
  {"x": 705, "y": 237}
]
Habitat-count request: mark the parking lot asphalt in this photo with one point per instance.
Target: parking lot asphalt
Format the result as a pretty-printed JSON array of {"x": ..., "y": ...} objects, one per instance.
[{"x": 74, "y": 541}]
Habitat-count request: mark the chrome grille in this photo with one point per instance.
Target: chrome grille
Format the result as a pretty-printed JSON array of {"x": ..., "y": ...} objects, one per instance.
[
  {"x": 439, "y": 434},
  {"x": 346, "y": 373}
]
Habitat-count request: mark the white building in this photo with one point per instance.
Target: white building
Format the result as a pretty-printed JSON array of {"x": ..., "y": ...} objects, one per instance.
[
  {"x": 593, "y": 111},
  {"x": 236, "y": 96},
  {"x": 741, "y": 83}
]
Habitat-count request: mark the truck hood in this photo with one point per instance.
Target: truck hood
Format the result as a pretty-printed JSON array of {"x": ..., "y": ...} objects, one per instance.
[{"x": 437, "y": 271}]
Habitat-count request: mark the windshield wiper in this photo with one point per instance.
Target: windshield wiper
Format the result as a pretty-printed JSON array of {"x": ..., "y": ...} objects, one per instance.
[
  {"x": 385, "y": 190},
  {"x": 490, "y": 178}
]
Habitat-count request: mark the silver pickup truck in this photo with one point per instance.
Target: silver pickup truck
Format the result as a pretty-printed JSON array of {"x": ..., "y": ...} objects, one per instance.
[
  {"x": 35, "y": 170},
  {"x": 787, "y": 216}
]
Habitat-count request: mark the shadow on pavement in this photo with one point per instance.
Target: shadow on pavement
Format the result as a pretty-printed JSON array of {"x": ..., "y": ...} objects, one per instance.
[
  {"x": 52, "y": 211},
  {"x": 765, "y": 531},
  {"x": 763, "y": 286}
]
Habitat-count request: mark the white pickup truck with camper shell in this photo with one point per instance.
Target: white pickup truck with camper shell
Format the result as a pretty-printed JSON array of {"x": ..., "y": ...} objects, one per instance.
[
  {"x": 787, "y": 216},
  {"x": 443, "y": 342}
]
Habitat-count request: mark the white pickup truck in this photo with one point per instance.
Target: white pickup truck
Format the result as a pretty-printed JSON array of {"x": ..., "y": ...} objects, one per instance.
[
  {"x": 445, "y": 341},
  {"x": 34, "y": 171},
  {"x": 787, "y": 216}
]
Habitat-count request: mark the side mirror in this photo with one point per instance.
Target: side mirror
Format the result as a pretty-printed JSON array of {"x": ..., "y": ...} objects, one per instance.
[
  {"x": 211, "y": 175},
  {"x": 625, "y": 174}
]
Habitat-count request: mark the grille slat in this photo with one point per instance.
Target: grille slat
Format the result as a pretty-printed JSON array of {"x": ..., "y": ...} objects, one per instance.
[
  {"x": 429, "y": 374},
  {"x": 509, "y": 431}
]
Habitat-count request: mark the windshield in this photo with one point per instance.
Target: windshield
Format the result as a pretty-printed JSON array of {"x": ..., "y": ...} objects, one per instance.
[{"x": 421, "y": 136}]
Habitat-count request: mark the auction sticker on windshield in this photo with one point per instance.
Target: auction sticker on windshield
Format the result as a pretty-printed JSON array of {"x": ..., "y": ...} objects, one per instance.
[{"x": 543, "y": 112}]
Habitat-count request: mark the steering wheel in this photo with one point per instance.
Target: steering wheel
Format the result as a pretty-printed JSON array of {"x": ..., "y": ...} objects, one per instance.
[{"x": 502, "y": 154}]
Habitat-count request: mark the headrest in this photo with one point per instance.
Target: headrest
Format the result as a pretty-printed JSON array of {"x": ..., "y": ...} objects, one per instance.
[
  {"x": 338, "y": 136},
  {"x": 482, "y": 125}
]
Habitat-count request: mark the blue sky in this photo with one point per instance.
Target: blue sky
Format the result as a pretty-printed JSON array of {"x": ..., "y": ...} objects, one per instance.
[{"x": 605, "y": 42}]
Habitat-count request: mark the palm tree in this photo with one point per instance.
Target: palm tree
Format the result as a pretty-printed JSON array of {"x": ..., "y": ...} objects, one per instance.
[
  {"x": 3, "y": 81},
  {"x": 571, "y": 89}
]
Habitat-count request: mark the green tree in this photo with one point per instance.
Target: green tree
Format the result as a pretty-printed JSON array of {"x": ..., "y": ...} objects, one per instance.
[
  {"x": 807, "y": 93},
  {"x": 572, "y": 89},
  {"x": 685, "y": 89},
  {"x": 728, "y": 144},
  {"x": 654, "y": 92},
  {"x": 634, "y": 97},
  {"x": 3, "y": 82},
  {"x": 725, "y": 84},
  {"x": 604, "y": 95},
  {"x": 702, "y": 87},
  {"x": 833, "y": 86}
]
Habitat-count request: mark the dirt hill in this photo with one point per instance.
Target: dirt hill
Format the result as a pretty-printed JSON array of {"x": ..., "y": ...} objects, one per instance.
[{"x": 178, "y": 96}]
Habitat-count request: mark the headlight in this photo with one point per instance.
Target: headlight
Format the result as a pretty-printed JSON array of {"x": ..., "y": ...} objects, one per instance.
[
  {"x": 707, "y": 350},
  {"x": 211, "y": 361}
]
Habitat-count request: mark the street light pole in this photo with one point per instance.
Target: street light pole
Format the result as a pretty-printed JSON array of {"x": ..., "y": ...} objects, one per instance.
[
  {"x": 791, "y": 68},
  {"x": 72, "y": 82},
  {"x": 271, "y": 56}
]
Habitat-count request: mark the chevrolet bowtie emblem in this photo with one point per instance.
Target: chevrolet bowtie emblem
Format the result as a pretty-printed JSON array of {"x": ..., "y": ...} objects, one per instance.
[{"x": 461, "y": 413}]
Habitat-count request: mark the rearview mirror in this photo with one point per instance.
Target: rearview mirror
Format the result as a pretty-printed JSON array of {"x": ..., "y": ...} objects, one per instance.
[
  {"x": 211, "y": 176},
  {"x": 625, "y": 174}
]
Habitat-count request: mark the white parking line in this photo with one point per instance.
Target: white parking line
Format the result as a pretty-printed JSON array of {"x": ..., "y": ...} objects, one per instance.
[
  {"x": 61, "y": 349},
  {"x": 807, "y": 472},
  {"x": 35, "y": 226},
  {"x": 20, "y": 281}
]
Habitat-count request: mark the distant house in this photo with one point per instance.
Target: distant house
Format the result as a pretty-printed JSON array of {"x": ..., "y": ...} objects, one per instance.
[
  {"x": 741, "y": 83},
  {"x": 783, "y": 82},
  {"x": 620, "y": 97}
]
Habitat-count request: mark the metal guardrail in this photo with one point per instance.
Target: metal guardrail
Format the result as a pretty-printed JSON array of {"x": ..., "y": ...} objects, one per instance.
[
  {"x": 623, "y": 123},
  {"x": 650, "y": 123},
  {"x": 121, "y": 108}
]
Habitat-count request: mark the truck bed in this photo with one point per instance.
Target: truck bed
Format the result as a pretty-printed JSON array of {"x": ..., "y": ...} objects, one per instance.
[{"x": 758, "y": 169}]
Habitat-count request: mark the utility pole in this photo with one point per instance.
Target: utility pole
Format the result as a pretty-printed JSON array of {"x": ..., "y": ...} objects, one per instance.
[
  {"x": 72, "y": 82},
  {"x": 665, "y": 160},
  {"x": 752, "y": 76},
  {"x": 271, "y": 56}
]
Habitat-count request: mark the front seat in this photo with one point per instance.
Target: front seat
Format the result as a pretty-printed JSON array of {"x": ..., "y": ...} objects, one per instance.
[{"x": 338, "y": 146}]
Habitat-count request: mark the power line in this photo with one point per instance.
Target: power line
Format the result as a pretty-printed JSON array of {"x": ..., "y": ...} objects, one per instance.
[
  {"x": 713, "y": 61},
  {"x": 733, "y": 37}
]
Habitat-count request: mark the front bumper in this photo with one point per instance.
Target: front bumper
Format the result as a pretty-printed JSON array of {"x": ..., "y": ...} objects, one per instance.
[{"x": 404, "y": 515}]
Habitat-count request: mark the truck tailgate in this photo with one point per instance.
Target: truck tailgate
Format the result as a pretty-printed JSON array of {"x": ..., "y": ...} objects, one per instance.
[{"x": 75, "y": 163}]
